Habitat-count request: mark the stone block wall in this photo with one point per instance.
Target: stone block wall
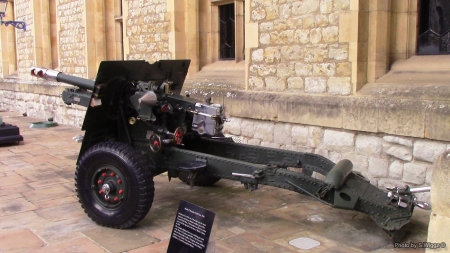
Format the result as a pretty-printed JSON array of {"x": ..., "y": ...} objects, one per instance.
[
  {"x": 25, "y": 42},
  {"x": 299, "y": 48},
  {"x": 40, "y": 99},
  {"x": 147, "y": 30},
  {"x": 72, "y": 37},
  {"x": 387, "y": 160}
]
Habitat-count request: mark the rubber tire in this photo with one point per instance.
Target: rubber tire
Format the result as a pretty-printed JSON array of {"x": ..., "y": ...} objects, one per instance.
[
  {"x": 200, "y": 180},
  {"x": 137, "y": 173}
]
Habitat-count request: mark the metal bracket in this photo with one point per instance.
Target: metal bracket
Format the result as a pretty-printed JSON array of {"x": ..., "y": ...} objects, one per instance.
[{"x": 16, "y": 24}]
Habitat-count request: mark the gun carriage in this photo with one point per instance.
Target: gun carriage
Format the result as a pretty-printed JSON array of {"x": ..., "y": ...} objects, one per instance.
[{"x": 138, "y": 125}]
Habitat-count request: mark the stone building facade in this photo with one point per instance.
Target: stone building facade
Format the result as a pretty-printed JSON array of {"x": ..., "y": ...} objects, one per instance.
[{"x": 340, "y": 78}]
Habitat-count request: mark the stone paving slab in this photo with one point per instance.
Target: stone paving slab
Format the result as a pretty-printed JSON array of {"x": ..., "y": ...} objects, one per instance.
[{"x": 39, "y": 210}]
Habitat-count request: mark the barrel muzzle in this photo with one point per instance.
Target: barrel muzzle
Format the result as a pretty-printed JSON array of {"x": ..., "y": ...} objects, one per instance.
[{"x": 47, "y": 74}]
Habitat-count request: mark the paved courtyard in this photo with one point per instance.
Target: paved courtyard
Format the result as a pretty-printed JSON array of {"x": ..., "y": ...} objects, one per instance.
[{"x": 39, "y": 210}]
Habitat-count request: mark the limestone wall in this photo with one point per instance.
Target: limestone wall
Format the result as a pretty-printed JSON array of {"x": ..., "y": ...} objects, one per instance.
[
  {"x": 387, "y": 160},
  {"x": 25, "y": 41},
  {"x": 299, "y": 48},
  {"x": 40, "y": 99},
  {"x": 147, "y": 30},
  {"x": 72, "y": 37}
]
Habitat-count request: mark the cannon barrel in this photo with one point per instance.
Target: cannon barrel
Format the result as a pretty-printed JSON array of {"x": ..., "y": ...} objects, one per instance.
[{"x": 53, "y": 75}]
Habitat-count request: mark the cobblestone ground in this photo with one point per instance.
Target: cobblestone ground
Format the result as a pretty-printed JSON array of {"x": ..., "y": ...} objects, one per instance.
[{"x": 39, "y": 211}]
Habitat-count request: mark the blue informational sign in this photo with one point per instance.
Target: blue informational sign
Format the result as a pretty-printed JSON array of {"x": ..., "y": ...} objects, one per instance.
[{"x": 191, "y": 229}]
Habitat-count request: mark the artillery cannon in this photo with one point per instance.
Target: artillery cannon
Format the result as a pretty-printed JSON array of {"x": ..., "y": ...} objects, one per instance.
[{"x": 137, "y": 125}]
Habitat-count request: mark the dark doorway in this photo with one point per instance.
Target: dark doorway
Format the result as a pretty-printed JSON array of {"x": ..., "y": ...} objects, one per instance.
[
  {"x": 227, "y": 32},
  {"x": 434, "y": 27}
]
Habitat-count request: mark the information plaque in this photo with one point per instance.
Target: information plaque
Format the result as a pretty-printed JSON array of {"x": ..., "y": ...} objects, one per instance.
[{"x": 191, "y": 229}]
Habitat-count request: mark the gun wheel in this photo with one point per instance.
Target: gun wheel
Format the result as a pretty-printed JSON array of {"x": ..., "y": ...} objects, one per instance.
[
  {"x": 200, "y": 180},
  {"x": 114, "y": 184}
]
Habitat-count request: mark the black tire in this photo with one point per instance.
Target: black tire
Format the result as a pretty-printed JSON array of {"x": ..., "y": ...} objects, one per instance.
[
  {"x": 200, "y": 180},
  {"x": 123, "y": 172}
]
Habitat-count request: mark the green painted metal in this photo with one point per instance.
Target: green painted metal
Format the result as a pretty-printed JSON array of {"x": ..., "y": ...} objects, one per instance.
[
  {"x": 43, "y": 124},
  {"x": 138, "y": 103}
]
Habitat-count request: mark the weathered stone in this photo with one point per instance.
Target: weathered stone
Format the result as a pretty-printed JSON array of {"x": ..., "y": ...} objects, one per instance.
[
  {"x": 330, "y": 34},
  {"x": 333, "y": 18},
  {"x": 282, "y": 133},
  {"x": 256, "y": 3},
  {"x": 338, "y": 140},
  {"x": 429, "y": 175},
  {"x": 309, "y": 21},
  {"x": 305, "y": 149},
  {"x": 334, "y": 156},
  {"x": 303, "y": 69},
  {"x": 264, "y": 131},
  {"x": 315, "y": 36},
  {"x": 255, "y": 142},
  {"x": 341, "y": 5},
  {"x": 402, "y": 117},
  {"x": 439, "y": 226},
  {"x": 300, "y": 135},
  {"x": 414, "y": 173},
  {"x": 258, "y": 55},
  {"x": 360, "y": 162},
  {"x": 279, "y": 25},
  {"x": 311, "y": 110},
  {"x": 294, "y": 22},
  {"x": 400, "y": 152},
  {"x": 315, "y": 135},
  {"x": 316, "y": 53},
  {"x": 322, "y": 152},
  {"x": 396, "y": 170},
  {"x": 305, "y": 7},
  {"x": 266, "y": 27},
  {"x": 440, "y": 195},
  {"x": 255, "y": 82},
  {"x": 271, "y": 13},
  {"x": 326, "y": 6},
  {"x": 295, "y": 83},
  {"x": 339, "y": 85},
  {"x": 338, "y": 52},
  {"x": 344, "y": 69},
  {"x": 234, "y": 126},
  {"x": 428, "y": 150},
  {"x": 437, "y": 115},
  {"x": 274, "y": 83},
  {"x": 282, "y": 37},
  {"x": 285, "y": 69},
  {"x": 324, "y": 69},
  {"x": 263, "y": 70},
  {"x": 315, "y": 85},
  {"x": 301, "y": 35},
  {"x": 399, "y": 140},
  {"x": 289, "y": 147},
  {"x": 289, "y": 53},
  {"x": 264, "y": 38},
  {"x": 272, "y": 55},
  {"x": 368, "y": 145},
  {"x": 378, "y": 167},
  {"x": 270, "y": 144},
  {"x": 321, "y": 20},
  {"x": 285, "y": 11},
  {"x": 258, "y": 14}
]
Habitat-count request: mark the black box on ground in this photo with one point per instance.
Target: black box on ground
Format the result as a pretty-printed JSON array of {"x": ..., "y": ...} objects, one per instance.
[{"x": 9, "y": 133}]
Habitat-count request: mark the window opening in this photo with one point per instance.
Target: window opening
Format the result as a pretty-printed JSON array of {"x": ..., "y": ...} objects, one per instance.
[
  {"x": 434, "y": 27},
  {"x": 227, "y": 32}
]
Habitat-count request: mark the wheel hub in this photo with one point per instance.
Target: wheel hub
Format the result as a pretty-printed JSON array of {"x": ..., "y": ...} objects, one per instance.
[
  {"x": 106, "y": 189},
  {"x": 109, "y": 187}
]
